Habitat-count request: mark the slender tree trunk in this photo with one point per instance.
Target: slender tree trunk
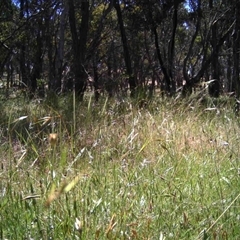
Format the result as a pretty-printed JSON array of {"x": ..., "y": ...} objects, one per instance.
[
  {"x": 37, "y": 65},
  {"x": 60, "y": 48},
  {"x": 236, "y": 47},
  {"x": 206, "y": 59},
  {"x": 49, "y": 44},
  {"x": 96, "y": 81},
  {"x": 171, "y": 49},
  {"x": 127, "y": 58},
  {"x": 79, "y": 45},
  {"x": 187, "y": 88},
  {"x": 22, "y": 51},
  {"x": 160, "y": 59},
  {"x": 229, "y": 79},
  {"x": 214, "y": 87}
]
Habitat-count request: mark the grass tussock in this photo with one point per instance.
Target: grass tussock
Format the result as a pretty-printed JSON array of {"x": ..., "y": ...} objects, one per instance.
[{"x": 113, "y": 170}]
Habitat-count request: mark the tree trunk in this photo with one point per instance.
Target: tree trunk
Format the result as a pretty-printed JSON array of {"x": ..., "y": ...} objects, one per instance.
[
  {"x": 229, "y": 79},
  {"x": 167, "y": 61},
  {"x": 171, "y": 49},
  {"x": 206, "y": 59},
  {"x": 22, "y": 57},
  {"x": 49, "y": 45},
  {"x": 127, "y": 58},
  {"x": 162, "y": 65},
  {"x": 187, "y": 88},
  {"x": 37, "y": 64},
  {"x": 236, "y": 47},
  {"x": 60, "y": 48},
  {"x": 79, "y": 46},
  {"x": 96, "y": 81},
  {"x": 214, "y": 87}
]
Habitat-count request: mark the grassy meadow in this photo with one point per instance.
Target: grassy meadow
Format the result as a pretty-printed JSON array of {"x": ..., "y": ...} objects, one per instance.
[{"x": 114, "y": 170}]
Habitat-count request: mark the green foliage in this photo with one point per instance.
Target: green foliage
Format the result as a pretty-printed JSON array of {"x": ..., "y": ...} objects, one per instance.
[{"x": 169, "y": 170}]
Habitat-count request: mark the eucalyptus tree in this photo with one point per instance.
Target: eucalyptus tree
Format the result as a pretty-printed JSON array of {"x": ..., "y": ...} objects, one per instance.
[
  {"x": 161, "y": 17},
  {"x": 125, "y": 44},
  {"x": 99, "y": 42},
  {"x": 212, "y": 25},
  {"x": 56, "y": 29},
  {"x": 214, "y": 87},
  {"x": 6, "y": 37},
  {"x": 31, "y": 37},
  {"x": 220, "y": 15},
  {"x": 236, "y": 47},
  {"x": 135, "y": 40},
  {"x": 79, "y": 32}
]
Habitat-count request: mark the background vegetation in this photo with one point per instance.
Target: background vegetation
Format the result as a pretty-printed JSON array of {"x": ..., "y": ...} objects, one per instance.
[
  {"x": 113, "y": 170},
  {"x": 119, "y": 119},
  {"x": 115, "y": 46}
]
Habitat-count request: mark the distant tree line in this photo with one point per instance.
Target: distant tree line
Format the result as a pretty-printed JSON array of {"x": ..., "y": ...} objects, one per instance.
[{"x": 117, "y": 45}]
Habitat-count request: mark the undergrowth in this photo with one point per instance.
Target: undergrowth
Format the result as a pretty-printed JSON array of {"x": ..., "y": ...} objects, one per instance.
[{"x": 168, "y": 169}]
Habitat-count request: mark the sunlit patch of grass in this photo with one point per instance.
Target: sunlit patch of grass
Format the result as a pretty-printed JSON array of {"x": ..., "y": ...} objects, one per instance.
[{"x": 165, "y": 171}]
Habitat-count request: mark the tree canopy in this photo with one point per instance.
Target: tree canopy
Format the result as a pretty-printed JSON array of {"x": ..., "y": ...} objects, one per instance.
[{"x": 115, "y": 46}]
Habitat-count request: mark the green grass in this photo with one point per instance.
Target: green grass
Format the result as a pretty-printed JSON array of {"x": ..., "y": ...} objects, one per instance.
[{"x": 169, "y": 170}]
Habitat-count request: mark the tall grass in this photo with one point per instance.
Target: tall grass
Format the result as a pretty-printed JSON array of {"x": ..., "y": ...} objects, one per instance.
[{"x": 113, "y": 170}]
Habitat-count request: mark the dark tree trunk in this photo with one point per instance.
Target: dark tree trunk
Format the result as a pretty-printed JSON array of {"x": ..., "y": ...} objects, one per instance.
[
  {"x": 127, "y": 58},
  {"x": 22, "y": 58},
  {"x": 214, "y": 87},
  {"x": 171, "y": 49},
  {"x": 236, "y": 47},
  {"x": 23, "y": 65},
  {"x": 79, "y": 45},
  {"x": 162, "y": 65},
  {"x": 229, "y": 79},
  {"x": 49, "y": 44},
  {"x": 60, "y": 48},
  {"x": 96, "y": 82},
  {"x": 167, "y": 60},
  {"x": 187, "y": 88},
  {"x": 206, "y": 59},
  {"x": 37, "y": 64}
]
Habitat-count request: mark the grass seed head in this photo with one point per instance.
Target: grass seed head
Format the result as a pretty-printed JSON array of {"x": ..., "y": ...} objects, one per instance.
[
  {"x": 78, "y": 225},
  {"x": 52, "y": 138}
]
